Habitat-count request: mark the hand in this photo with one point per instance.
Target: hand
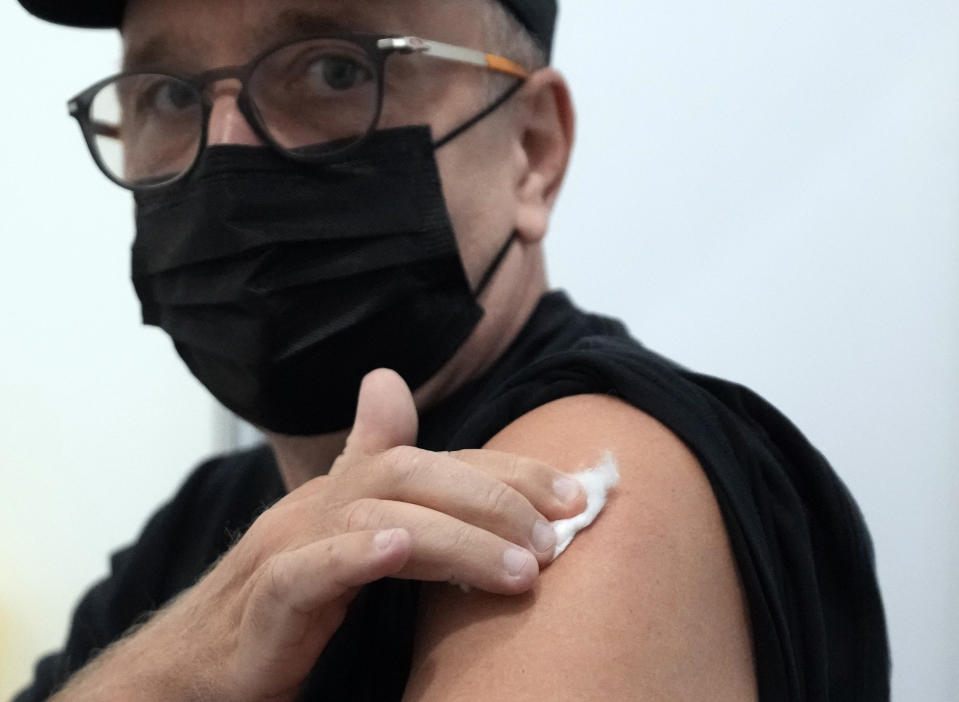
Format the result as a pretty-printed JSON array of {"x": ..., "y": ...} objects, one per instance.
[{"x": 253, "y": 628}]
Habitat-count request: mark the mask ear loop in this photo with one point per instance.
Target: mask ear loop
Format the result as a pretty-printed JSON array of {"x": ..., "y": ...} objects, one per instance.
[
  {"x": 469, "y": 124},
  {"x": 494, "y": 266},
  {"x": 486, "y": 112}
]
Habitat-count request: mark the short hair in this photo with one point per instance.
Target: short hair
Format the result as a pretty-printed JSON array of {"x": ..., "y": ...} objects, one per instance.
[{"x": 509, "y": 38}]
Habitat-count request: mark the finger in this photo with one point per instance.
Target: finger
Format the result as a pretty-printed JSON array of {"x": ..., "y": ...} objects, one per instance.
[
  {"x": 445, "y": 549},
  {"x": 444, "y": 484},
  {"x": 295, "y": 584},
  {"x": 553, "y": 493},
  {"x": 323, "y": 571},
  {"x": 385, "y": 416}
]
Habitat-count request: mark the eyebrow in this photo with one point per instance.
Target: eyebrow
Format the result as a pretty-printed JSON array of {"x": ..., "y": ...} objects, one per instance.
[
  {"x": 164, "y": 50},
  {"x": 297, "y": 22},
  {"x": 152, "y": 52}
]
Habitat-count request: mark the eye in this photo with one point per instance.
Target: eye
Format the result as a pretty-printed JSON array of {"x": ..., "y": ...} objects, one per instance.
[
  {"x": 167, "y": 96},
  {"x": 336, "y": 74}
]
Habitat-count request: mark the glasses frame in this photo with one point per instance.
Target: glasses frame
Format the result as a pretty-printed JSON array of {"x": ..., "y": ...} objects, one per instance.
[{"x": 378, "y": 49}]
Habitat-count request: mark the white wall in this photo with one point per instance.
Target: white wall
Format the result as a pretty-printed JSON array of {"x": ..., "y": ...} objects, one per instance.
[
  {"x": 770, "y": 192},
  {"x": 765, "y": 191},
  {"x": 98, "y": 422}
]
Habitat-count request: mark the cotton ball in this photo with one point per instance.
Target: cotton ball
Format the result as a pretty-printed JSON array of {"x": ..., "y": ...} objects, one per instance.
[{"x": 596, "y": 482}]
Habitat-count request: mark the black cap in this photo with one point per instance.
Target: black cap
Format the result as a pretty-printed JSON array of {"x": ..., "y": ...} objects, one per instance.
[{"x": 538, "y": 16}]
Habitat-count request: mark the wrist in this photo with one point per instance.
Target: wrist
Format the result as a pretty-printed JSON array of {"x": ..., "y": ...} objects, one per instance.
[{"x": 147, "y": 665}]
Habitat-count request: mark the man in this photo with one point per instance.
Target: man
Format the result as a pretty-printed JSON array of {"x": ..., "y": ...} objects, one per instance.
[{"x": 341, "y": 198}]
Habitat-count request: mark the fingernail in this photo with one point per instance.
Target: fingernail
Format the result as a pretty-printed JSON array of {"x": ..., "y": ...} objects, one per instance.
[
  {"x": 517, "y": 560},
  {"x": 566, "y": 489},
  {"x": 384, "y": 539},
  {"x": 544, "y": 537}
]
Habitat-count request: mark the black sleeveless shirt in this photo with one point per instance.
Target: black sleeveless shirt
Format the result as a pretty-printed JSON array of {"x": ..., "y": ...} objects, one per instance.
[{"x": 802, "y": 549}]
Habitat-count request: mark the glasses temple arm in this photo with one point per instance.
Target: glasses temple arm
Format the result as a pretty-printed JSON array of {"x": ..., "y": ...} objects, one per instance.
[
  {"x": 104, "y": 129},
  {"x": 449, "y": 52}
]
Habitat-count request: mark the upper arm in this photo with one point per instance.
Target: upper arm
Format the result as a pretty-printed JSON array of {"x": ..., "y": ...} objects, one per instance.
[{"x": 645, "y": 605}]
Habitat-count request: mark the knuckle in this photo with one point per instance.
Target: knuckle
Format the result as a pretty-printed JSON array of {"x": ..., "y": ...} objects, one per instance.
[
  {"x": 264, "y": 524},
  {"x": 271, "y": 530},
  {"x": 463, "y": 455},
  {"x": 531, "y": 479},
  {"x": 478, "y": 459},
  {"x": 461, "y": 542},
  {"x": 499, "y": 499},
  {"x": 518, "y": 468},
  {"x": 276, "y": 578},
  {"x": 360, "y": 515},
  {"x": 531, "y": 472},
  {"x": 402, "y": 461},
  {"x": 512, "y": 462}
]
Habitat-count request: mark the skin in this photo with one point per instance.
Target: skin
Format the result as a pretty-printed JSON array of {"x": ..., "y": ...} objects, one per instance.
[
  {"x": 645, "y": 605},
  {"x": 665, "y": 616},
  {"x": 502, "y": 175}
]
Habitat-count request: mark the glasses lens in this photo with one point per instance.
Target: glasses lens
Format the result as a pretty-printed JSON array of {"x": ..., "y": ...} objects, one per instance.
[
  {"x": 147, "y": 128},
  {"x": 321, "y": 93}
]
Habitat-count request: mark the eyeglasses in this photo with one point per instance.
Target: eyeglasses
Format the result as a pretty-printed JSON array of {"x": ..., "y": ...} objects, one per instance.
[{"x": 313, "y": 100}]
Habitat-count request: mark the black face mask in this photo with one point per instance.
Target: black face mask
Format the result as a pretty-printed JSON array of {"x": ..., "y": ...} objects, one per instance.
[{"x": 282, "y": 284}]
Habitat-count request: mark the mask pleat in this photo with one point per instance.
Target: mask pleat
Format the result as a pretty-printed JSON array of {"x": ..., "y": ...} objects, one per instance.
[
  {"x": 282, "y": 285},
  {"x": 246, "y": 210}
]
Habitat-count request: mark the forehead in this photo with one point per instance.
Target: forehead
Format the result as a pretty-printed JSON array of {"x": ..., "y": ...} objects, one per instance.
[{"x": 207, "y": 33}]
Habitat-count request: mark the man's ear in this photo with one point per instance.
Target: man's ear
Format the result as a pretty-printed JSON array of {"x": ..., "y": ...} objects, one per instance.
[{"x": 546, "y": 142}]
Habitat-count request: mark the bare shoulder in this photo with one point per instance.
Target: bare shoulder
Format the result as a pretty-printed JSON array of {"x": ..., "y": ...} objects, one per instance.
[{"x": 645, "y": 605}]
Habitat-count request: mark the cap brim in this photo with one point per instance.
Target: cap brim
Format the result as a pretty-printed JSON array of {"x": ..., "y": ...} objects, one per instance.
[{"x": 95, "y": 14}]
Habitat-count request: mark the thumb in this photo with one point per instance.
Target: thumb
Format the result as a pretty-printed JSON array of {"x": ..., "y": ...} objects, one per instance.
[{"x": 385, "y": 415}]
